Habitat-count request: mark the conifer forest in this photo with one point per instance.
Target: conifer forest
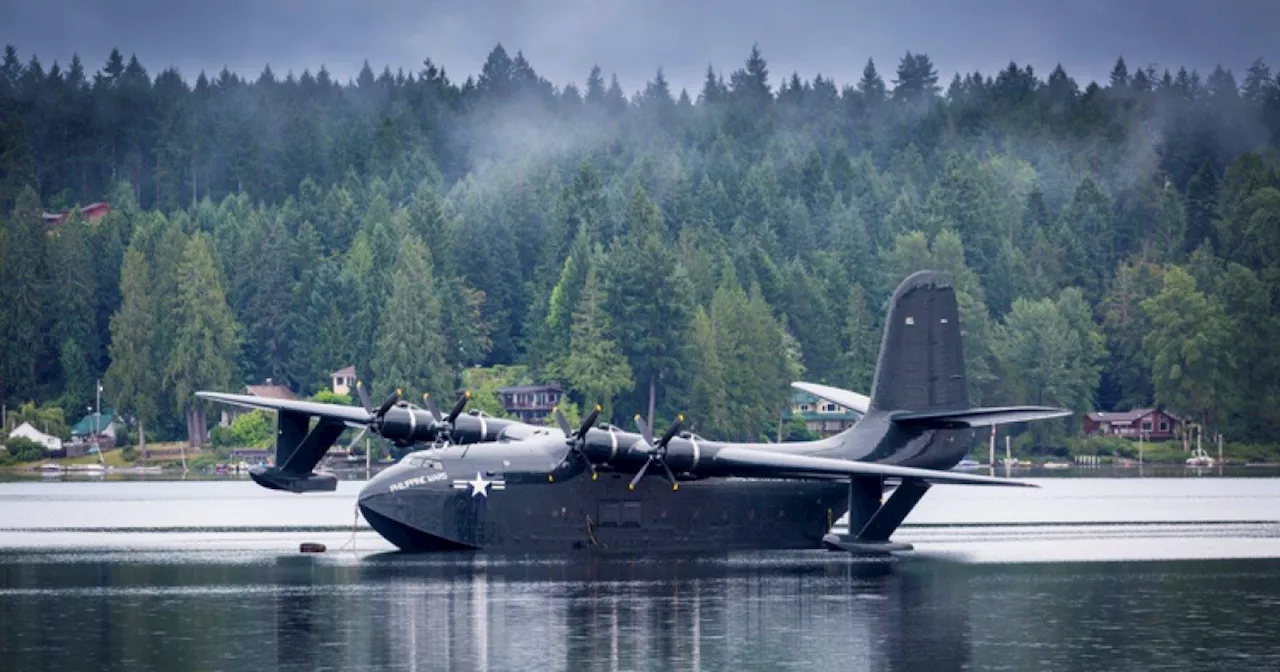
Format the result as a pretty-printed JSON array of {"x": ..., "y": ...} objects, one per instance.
[{"x": 1114, "y": 244}]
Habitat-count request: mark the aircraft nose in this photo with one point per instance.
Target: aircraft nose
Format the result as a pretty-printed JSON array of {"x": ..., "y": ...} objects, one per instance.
[{"x": 408, "y": 507}]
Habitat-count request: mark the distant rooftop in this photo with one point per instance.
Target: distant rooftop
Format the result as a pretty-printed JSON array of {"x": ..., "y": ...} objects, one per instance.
[
  {"x": 85, "y": 426},
  {"x": 1123, "y": 417},
  {"x": 270, "y": 390},
  {"x": 523, "y": 389}
]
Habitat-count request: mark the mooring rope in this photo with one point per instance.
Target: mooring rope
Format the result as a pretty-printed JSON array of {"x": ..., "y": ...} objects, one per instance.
[{"x": 355, "y": 522}]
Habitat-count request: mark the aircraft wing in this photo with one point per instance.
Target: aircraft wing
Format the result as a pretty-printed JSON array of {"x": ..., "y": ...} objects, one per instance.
[
  {"x": 975, "y": 417},
  {"x": 352, "y": 414},
  {"x": 767, "y": 462},
  {"x": 850, "y": 400}
]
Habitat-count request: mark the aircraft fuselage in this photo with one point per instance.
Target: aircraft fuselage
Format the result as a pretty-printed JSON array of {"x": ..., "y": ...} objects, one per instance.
[{"x": 421, "y": 508}]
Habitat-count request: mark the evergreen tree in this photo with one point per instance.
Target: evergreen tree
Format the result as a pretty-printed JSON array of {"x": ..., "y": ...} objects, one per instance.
[
  {"x": 917, "y": 80},
  {"x": 1120, "y": 74},
  {"x": 1127, "y": 381},
  {"x": 1257, "y": 82},
  {"x": 206, "y": 345},
  {"x": 1087, "y": 237},
  {"x": 861, "y": 344},
  {"x": 269, "y": 276},
  {"x": 1169, "y": 227},
  {"x": 133, "y": 381},
  {"x": 554, "y": 342},
  {"x": 649, "y": 305},
  {"x": 1202, "y": 207},
  {"x": 593, "y": 365},
  {"x": 871, "y": 86},
  {"x": 22, "y": 281},
  {"x": 1052, "y": 354},
  {"x": 410, "y": 349},
  {"x": 1189, "y": 348}
]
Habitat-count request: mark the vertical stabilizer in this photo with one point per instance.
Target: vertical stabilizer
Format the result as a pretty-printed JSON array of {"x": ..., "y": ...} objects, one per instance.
[{"x": 921, "y": 366}]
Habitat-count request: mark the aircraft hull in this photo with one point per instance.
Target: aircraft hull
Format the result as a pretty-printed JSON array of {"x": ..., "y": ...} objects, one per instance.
[{"x": 603, "y": 516}]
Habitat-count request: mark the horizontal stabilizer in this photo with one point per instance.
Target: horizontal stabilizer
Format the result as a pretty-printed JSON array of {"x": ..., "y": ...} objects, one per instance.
[
  {"x": 750, "y": 460},
  {"x": 975, "y": 417},
  {"x": 850, "y": 400}
]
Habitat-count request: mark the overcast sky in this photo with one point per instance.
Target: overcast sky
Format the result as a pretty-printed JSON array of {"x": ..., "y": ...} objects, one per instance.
[{"x": 563, "y": 38}]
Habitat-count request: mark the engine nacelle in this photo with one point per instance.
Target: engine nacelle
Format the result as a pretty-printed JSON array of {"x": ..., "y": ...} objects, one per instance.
[{"x": 406, "y": 425}]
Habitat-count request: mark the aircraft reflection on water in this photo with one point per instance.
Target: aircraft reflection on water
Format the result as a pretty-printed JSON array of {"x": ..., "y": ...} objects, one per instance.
[
  {"x": 682, "y": 613},
  {"x": 505, "y": 486}
]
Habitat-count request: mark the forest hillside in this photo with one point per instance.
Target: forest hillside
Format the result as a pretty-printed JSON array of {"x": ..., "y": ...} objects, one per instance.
[{"x": 1114, "y": 244}]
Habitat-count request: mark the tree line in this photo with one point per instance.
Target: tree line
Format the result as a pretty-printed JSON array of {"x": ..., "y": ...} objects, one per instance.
[{"x": 1113, "y": 245}]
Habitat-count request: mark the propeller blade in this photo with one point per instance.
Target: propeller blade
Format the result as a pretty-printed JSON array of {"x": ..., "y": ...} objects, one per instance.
[
  {"x": 670, "y": 476},
  {"x": 364, "y": 397},
  {"x": 590, "y": 467},
  {"x": 431, "y": 406},
  {"x": 457, "y": 408},
  {"x": 589, "y": 422},
  {"x": 391, "y": 401},
  {"x": 359, "y": 435},
  {"x": 564, "y": 424},
  {"x": 644, "y": 429},
  {"x": 671, "y": 432},
  {"x": 640, "y": 474}
]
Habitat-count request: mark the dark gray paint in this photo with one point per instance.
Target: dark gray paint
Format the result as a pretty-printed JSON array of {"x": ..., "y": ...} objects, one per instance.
[{"x": 914, "y": 430}]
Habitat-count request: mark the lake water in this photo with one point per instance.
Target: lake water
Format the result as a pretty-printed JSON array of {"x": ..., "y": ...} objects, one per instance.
[{"x": 1082, "y": 574}]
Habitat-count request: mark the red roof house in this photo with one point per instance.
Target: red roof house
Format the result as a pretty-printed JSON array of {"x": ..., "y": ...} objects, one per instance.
[
  {"x": 1152, "y": 424},
  {"x": 90, "y": 213}
]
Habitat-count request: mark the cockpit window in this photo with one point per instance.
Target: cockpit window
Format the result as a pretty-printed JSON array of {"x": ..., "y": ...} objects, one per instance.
[{"x": 420, "y": 461}]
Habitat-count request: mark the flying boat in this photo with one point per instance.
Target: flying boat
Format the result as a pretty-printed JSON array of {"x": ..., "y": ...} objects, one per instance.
[{"x": 473, "y": 482}]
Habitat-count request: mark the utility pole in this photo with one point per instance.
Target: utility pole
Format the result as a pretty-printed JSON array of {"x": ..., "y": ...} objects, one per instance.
[
  {"x": 991, "y": 449},
  {"x": 1219, "y": 437},
  {"x": 1008, "y": 455},
  {"x": 1142, "y": 434},
  {"x": 97, "y": 419}
]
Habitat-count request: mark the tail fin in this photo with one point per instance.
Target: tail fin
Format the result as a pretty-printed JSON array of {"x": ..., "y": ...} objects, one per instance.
[{"x": 921, "y": 366}]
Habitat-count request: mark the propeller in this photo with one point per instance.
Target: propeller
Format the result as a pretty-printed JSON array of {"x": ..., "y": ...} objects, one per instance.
[
  {"x": 657, "y": 452},
  {"x": 577, "y": 440},
  {"x": 444, "y": 424},
  {"x": 375, "y": 421},
  {"x": 410, "y": 423}
]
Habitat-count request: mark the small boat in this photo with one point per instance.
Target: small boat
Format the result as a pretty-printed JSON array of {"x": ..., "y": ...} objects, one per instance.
[
  {"x": 1057, "y": 465},
  {"x": 968, "y": 464},
  {"x": 50, "y": 468},
  {"x": 1199, "y": 458}
]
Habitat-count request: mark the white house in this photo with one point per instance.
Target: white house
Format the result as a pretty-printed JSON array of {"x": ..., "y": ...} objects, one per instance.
[
  {"x": 343, "y": 379},
  {"x": 26, "y": 431}
]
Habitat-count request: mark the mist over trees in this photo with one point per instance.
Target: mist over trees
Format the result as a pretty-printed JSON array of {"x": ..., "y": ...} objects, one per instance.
[{"x": 1112, "y": 245}]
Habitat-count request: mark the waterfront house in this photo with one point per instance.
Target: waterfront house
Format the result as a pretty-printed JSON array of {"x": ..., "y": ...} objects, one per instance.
[
  {"x": 530, "y": 403},
  {"x": 1152, "y": 424},
  {"x": 101, "y": 427},
  {"x": 820, "y": 416},
  {"x": 30, "y": 433}
]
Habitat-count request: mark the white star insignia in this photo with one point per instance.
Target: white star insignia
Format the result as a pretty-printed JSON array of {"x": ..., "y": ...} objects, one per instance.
[{"x": 479, "y": 486}]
